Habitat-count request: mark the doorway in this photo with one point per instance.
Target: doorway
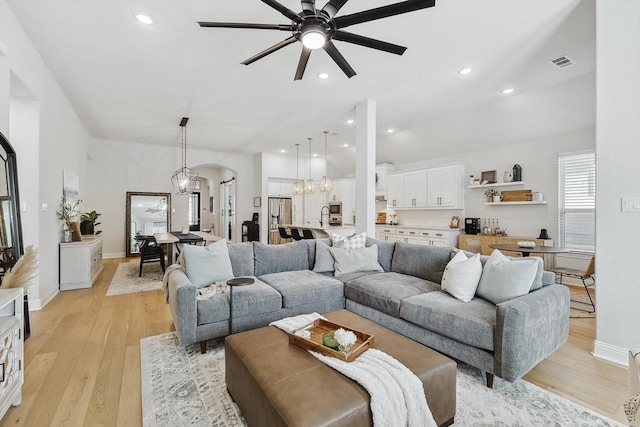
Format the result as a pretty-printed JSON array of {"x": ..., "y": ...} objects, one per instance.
[{"x": 194, "y": 212}]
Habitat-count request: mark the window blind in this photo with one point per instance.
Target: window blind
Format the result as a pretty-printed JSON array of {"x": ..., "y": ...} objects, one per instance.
[{"x": 577, "y": 201}]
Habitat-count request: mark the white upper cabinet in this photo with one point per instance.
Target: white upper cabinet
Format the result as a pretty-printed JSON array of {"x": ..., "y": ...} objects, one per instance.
[
  {"x": 395, "y": 191},
  {"x": 279, "y": 188},
  {"x": 336, "y": 192},
  {"x": 445, "y": 187},
  {"x": 382, "y": 177},
  {"x": 415, "y": 189}
]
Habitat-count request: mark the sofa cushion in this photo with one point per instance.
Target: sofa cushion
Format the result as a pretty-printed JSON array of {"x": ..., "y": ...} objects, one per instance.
[
  {"x": 426, "y": 262},
  {"x": 504, "y": 279},
  {"x": 241, "y": 255},
  {"x": 277, "y": 258},
  {"x": 257, "y": 298},
  {"x": 303, "y": 287},
  {"x": 461, "y": 276},
  {"x": 472, "y": 323},
  {"x": 385, "y": 291},
  {"x": 207, "y": 265},
  {"x": 355, "y": 260},
  {"x": 353, "y": 242},
  {"x": 385, "y": 252}
]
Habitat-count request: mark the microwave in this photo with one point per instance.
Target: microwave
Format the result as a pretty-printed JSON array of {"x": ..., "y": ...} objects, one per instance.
[{"x": 335, "y": 208}]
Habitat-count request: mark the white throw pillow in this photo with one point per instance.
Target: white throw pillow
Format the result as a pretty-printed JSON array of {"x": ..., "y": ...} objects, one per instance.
[
  {"x": 504, "y": 279},
  {"x": 354, "y": 260},
  {"x": 207, "y": 265},
  {"x": 324, "y": 260},
  {"x": 461, "y": 276},
  {"x": 354, "y": 242}
]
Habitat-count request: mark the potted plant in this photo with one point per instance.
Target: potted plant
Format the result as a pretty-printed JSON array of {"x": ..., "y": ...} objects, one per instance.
[
  {"x": 67, "y": 213},
  {"x": 88, "y": 223},
  {"x": 490, "y": 193}
]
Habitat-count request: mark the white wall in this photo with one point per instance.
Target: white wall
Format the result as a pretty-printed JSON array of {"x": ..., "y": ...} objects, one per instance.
[
  {"x": 117, "y": 167},
  {"x": 62, "y": 145},
  {"x": 617, "y": 160}
]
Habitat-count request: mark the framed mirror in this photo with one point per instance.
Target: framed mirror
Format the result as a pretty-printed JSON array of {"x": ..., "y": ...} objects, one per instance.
[
  {"x": 147, "y": 213},
  {"x": 11, "y": 246}
]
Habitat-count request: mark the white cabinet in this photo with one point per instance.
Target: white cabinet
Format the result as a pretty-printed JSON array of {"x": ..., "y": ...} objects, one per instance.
[
  {"x": 445, "y": 187},
  {"x": 438, "y": 237},
  {"x": 386, "y": 233},
  {"x": 11, "y": 343},
  {"x": 80, "y": 263},
  {"x": 382, "y": 178},
  {"x": 419, "y": 235},
  {"x": 415, "y": 189},
  {"x": 313, "y": 203},
  {"x": 337, "y": 191},
  {"x": 395, "y": 191},
  {"x": 408, "y": 235},
  {"x": 279, "y": 187},
  {"x": 349, "y": 202}
]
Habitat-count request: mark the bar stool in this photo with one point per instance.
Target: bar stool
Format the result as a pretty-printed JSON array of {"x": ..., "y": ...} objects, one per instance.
[
  {"x": 295, "y": 233},
  {"x": 283, "y": 233}
]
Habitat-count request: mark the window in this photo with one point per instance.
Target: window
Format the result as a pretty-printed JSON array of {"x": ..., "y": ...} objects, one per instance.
[
  {"x": 194, "y": 211},
  {"x": 577, "y": 201}
]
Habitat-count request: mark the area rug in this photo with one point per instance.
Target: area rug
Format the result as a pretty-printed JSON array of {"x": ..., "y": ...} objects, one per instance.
[
  {"x": 184, "y": 387},
  {"x": 126, "y": 280},
  {"x": 580, "y": 303}
]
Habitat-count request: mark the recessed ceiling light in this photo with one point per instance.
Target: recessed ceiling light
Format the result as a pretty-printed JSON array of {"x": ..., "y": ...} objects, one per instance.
[
  {"x": 323, "y": 76},
  {"x": 390, "y": 130},
  {"x": 350, "y": 121},
  {"x": 345, "y": 145},
  {"x": 283, "y": 151},
  {"x": 507, "y": 91},
  {"x": 315, "y": 155},
  {"x": 465, "y": 71},
  {"x": 144, "y": 19}
]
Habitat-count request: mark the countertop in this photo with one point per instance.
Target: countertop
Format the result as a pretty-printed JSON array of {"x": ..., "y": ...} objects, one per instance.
[{"x": 420, "y": 227}]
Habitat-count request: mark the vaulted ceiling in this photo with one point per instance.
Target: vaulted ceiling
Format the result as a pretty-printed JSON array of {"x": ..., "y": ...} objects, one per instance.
[{"x": 132, "y": 82}]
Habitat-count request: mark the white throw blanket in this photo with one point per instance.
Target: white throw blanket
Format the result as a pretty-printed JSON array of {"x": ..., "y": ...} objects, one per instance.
[{"x": 397, "y": 395}]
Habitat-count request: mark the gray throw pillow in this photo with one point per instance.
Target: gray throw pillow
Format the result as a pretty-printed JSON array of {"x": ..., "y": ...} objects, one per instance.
[
  {"x": 355, "y": 260},
  {"x": 324, "y": 259},
  {"x": 207, "y": 265},
  {"x": 504, "y": 279}
]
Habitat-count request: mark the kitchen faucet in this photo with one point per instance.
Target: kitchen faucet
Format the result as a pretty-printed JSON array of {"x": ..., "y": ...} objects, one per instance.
[{"x": 322, "y": 214}]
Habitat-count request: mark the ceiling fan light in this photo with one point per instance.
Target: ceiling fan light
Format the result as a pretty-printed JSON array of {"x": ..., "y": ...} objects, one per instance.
[{"x": 313, "y": 38}]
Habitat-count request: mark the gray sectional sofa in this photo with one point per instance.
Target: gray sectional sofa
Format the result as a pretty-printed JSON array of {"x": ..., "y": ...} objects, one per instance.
[{"x": 507, "y": 339}]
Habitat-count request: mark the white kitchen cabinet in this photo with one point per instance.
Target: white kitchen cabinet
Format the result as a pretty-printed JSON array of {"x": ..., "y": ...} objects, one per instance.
[
  {"x": 336, "y": 192},
  {"x": 386, "y": 233},
  {"x": 349, "y": 201},
  {"x": 415, "y": 189},
  {"x": 80, "y": 263},
  {"x": 382, "y": 178},
  {"x": 395, "y": 191},
  {"x": 439, "y": 237},
  {"x": 313, "y": 203},
  {"x": 445, "y": 187},
  {"x": 11, "y": 343},
  {"x": 279, "y": 187}
]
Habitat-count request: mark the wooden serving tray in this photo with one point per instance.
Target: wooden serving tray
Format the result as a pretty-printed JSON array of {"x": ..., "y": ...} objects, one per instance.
[
  {"x": 516, "y": 195},
  {"x": 364, "y": 341}
]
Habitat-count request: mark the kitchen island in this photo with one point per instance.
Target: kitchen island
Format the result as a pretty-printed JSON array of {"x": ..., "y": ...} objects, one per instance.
[{"x": 318, "y": 232}]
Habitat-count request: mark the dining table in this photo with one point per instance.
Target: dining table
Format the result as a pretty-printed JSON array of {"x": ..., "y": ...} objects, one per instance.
[
  {"x": 526, "y": 251},
  {"x": 175, "y": 240}
]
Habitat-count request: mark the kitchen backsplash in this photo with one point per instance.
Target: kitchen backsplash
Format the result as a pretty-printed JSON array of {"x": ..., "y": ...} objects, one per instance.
[{"x": 438, "y": 218}]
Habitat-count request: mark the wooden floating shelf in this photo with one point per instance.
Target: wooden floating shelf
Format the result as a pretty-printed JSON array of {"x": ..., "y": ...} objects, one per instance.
[
  {"x": 514, "y": 203},
  {"x": 497, "y": 184}
]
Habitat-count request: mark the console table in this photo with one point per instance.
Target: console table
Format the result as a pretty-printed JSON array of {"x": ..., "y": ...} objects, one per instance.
[
  {"x": 12, "y": 355},
  {"x": 80, "y": 263}
]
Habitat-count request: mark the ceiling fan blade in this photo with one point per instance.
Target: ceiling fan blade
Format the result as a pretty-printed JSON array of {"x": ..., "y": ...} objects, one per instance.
[
  {"x": 330, "y": 48},
  {"x": 382, "y": 12},
  {"x": 283, "y": 10},
  {"x": 332, "y": 7},
  {"x": 302, "y": 64},
  {"x": 281, "y": 27},
  {"x": 270, "y": 50},
  {"x": 308, "y": 6},
  {"x": 343, "y": 36}
]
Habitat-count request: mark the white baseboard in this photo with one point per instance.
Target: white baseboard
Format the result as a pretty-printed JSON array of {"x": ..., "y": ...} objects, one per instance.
[
  {"x": 35, "y": 304},
  {"x": 114, "y": 255},
  {"x": 611, "y": 353},
  {"x": 41, "y": 305}
]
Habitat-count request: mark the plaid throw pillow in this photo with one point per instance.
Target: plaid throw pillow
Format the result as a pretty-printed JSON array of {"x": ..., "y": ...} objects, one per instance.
[{"x": 354, "y": 242}]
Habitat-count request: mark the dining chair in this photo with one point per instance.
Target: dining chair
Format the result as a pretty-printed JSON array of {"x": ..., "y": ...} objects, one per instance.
[
  {"x": 583, "y": 275},
  {"x": 295, "y": 233},
  {"x": 474, "y": 246},
  {"x": 150, "y": 251}
]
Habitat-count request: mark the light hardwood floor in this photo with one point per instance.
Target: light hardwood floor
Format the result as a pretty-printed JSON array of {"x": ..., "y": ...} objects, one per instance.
[{"x": 82, "y": 361}]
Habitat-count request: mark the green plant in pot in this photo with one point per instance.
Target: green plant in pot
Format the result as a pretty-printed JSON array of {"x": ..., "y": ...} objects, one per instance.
[
  {"x": 68, "y": 213},
  {"x": 490, "y": 193},
  {"x": 88, "y": 224}
]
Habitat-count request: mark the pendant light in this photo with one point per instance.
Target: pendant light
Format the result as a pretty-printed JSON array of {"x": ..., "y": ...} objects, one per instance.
[
  {"x": 325, "y": 183},
  {"x": 297, "y": 189},
  {"x": 309, "y": 186},
  {"x": 184, "y": 179}
]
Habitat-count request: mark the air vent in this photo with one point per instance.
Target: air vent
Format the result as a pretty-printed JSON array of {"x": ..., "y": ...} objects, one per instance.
[{"x": 562, "y": 61}]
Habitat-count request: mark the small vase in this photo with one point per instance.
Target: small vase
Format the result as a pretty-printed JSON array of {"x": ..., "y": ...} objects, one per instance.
[
  {"x": 67, "y": 235},
  {"x": 507, "y": 177},
  {"x": 344, "y": 348}
]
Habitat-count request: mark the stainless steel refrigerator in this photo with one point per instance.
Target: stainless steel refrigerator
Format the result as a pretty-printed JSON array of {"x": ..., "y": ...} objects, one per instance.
[{"x": 280, "y": 213}]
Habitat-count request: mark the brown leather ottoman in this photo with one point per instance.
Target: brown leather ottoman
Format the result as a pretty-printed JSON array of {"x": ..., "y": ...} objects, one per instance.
[{"x": 280, "y": 384}]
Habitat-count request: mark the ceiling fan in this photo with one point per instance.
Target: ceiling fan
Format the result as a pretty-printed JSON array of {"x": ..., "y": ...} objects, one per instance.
[{"x": 317, "y": 28}]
